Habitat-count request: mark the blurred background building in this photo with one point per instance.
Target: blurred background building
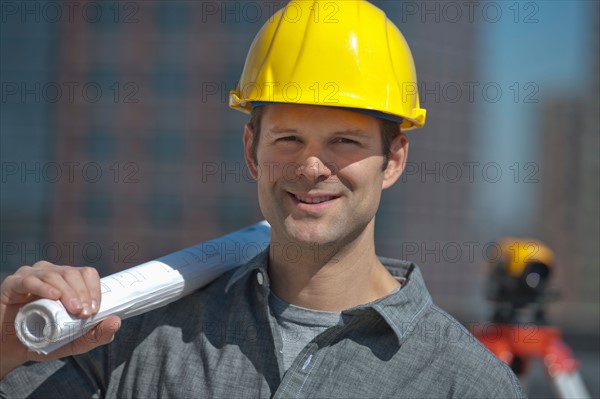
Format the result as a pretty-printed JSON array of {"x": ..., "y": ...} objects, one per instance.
[{"x": 118, "y": 146}]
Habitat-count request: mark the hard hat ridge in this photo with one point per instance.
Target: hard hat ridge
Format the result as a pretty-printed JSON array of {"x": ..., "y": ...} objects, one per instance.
[{"x": 336, "y": 53}]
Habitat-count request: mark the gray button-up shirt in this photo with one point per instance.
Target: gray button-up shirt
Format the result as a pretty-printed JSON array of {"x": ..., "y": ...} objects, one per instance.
[{"x": 219, "y": 342}]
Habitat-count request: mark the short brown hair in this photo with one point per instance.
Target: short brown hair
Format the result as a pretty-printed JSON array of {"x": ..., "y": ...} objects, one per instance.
[{"x": 389, "y": 130}]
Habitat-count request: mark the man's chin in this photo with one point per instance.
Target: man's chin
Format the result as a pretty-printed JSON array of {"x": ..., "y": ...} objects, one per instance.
[
  {"x": 310, "y": 236},
  {"x": 312, "y": 249}
]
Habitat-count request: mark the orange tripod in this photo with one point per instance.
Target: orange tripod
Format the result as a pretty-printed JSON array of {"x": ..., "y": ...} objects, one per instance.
[
  {"x": 517, "y": 344},
  {"x": 519, "y": 332}
]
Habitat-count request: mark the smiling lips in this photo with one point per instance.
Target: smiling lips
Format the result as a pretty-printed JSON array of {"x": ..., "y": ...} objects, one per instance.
[{"x": 313, "y": 199}]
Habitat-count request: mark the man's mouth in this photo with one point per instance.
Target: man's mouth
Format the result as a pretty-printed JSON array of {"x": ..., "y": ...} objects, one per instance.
[{"x": 313, "y": 200}]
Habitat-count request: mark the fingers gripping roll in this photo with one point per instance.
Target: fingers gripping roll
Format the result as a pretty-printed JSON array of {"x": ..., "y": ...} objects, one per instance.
[{"x": 45, "y": 325}]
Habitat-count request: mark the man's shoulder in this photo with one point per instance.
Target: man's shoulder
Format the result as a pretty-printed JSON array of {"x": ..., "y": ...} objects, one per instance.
[
  {"x": 457, "y": 355},
  {"x": 444, "y": 349}
]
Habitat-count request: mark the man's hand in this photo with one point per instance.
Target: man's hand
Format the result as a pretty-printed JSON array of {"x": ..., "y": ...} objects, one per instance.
[{"x": 78, "y": 288}]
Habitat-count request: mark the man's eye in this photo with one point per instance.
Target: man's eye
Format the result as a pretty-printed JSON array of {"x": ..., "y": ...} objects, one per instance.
[
  {"x": 344, "y": 140},
  {"x": 288, "y": 139}
]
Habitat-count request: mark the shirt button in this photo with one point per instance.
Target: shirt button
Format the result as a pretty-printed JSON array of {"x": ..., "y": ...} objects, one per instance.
[
  {"x": 307, "y": 362},
  {"x": 260, "y": 278}
]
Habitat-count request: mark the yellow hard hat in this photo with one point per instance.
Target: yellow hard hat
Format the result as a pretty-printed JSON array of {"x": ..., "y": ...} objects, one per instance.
[
  {"x": 517, "y": 253},
  {"x": 334, "y": 53}
]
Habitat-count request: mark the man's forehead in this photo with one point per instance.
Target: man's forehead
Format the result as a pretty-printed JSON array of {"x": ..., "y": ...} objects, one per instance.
[
  {"x": 358, "y": 133},
  {"x": 292, "y": 116}
]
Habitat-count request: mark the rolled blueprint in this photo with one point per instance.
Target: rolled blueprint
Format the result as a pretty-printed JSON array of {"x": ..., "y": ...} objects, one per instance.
[{"x": 45, "y": 325}]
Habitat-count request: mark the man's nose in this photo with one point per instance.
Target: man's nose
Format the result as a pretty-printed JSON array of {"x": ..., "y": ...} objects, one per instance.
[{"x": 314, "y": 166}]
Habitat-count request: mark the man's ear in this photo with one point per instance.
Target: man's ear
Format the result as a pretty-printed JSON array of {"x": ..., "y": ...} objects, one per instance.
[
  {"x": 397, "y": 160},
  {"x": 248, "y": 157}
]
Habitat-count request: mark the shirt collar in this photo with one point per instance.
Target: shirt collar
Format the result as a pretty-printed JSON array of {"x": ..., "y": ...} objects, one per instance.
[
  {"x": 259, "y": 262},
  {"x": 401, "y": 309}
]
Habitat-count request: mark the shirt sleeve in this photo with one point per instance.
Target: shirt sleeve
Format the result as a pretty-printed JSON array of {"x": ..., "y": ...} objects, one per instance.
[
  {"x": 81, "y": 376},
  {"x": 502, "y": 386}
]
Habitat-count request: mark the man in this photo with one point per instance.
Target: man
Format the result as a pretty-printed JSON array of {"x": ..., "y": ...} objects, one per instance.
[{"x": 318, "y": 314}]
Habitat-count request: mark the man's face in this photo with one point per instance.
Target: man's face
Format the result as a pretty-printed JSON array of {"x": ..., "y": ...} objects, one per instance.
[{"x": 319, "y": 172}]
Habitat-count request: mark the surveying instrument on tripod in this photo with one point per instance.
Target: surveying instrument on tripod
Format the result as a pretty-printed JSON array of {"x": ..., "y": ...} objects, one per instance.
[{"x": 518, "y": 288}]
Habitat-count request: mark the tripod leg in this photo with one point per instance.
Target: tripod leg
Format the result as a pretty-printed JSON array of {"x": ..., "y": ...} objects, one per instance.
[
  {"x": 570, "y": 385},
  {"x": 563, "y": 368}
]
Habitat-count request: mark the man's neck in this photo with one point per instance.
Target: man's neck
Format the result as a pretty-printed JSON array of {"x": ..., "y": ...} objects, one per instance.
[{"x": 329, "y": 277}]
